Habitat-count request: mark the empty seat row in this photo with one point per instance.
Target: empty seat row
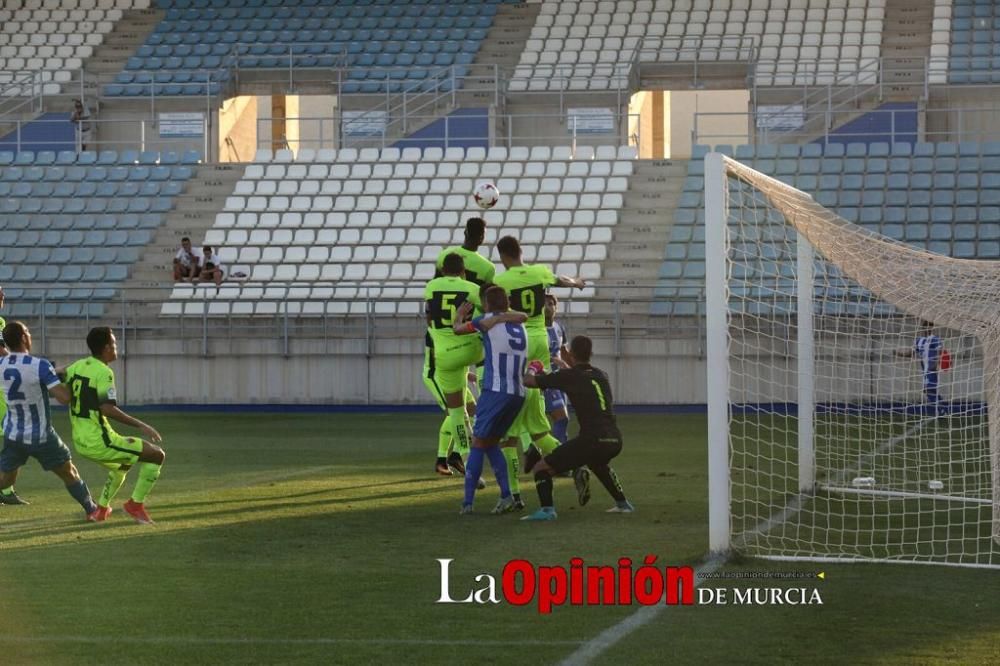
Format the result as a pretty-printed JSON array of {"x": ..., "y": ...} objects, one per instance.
[
  {"x": 62, "y": 256},
  {"x": 84, "y": 222},
  {"x": 449, "y": 219},
  {"x": 118, "y": 177},
  {"x": 415, "y": 202},
  {"x": 73, "y": 238},
  {"x": 103, "y": 158},
  {"x": 403, "y": 186},
  {"x": 294, "y": 178},
  {"x": 317, "y": 241},
  {"x": 25, "y": 273},
  {"x": 90, "y": 188},
  {"x": 90, "y": 205},
  {"x": 454, "y": 154}
]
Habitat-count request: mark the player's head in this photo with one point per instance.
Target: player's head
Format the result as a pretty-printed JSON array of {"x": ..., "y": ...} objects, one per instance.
[
  {"x": 453, "y": 265},
  {"x": 475, "y": 232},
  {"x": 509, "y": 250},
  {"x": 186, "y": 244},
  {"x": 581, "y": 348},
  {"x": 102, "y": 344},
  {"x": 551, "y": 305},
  {"x": 926, "y": 325},
  {"x": 496, "y": 300},
  {"x": 17, "y": 337}
]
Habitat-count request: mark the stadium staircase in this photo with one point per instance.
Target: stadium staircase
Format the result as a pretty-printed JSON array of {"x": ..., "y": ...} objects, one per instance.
[
  {"x": 906, "y": 43},
  {"x": 108, "y": 59},
  {"x": 636, "y": 252},
  {"x": 193, "y": 214},
  {"x": 506, "y": 40}
]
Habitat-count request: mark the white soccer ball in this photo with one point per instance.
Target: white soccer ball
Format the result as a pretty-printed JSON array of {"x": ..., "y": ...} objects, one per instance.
[{"x": 486, "y": 195}]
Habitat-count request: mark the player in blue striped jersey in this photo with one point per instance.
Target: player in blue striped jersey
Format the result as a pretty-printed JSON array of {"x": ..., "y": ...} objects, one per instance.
[
  {"x": 27, "y": 382},
  {"x": 501, "y": 396},
  {"x": 555, "y": 400},
  {"x": 928, "y": 348}
]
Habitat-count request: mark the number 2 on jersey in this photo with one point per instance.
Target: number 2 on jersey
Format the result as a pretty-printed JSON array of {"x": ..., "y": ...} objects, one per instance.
[{"x": 14, "y": 393}]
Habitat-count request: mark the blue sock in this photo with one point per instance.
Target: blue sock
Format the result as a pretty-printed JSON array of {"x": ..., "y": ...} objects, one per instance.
[
  {"x": 560, "y": 430},
  {"x": 473, "y": 470},
  {"x": 81, "y": 493},
  {"x": 499, "y": 464}
]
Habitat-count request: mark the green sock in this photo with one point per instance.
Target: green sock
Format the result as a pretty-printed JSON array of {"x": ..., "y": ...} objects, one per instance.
[
  {"x": 9, "y": 490},
  {"x": 116, "y": 478},
  {"x": 547, "y": 444},
  {"x": 459, "y": 429},
  {"x": 148, "y": 474},
  {"x": 444, "y": 437},
  {"x": 510, "y": 453}
]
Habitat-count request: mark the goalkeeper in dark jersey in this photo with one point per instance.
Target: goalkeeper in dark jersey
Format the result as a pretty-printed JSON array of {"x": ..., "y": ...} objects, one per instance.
[{"x": 599, "y": 439}]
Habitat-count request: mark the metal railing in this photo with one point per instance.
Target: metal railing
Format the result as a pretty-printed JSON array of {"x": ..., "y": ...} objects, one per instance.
[
  {"x": 933, "y": 125},
  {"x": 141, "y": 134},
  {"x": 314, "y": 133}
]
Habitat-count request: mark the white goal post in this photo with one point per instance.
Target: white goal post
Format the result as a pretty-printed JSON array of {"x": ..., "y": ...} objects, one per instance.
[{"x": 836, "y": 429}]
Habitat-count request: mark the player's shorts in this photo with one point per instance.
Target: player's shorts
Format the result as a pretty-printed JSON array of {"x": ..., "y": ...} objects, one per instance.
[
  {"x": 593, "y": 451},
  {"x": 434, "y": 390},
  {"x": 50, "y": 454},
  {"x": 495, "y": 413},
  {"x": 533, "y": 419},
  {"x": 114, "y": 452},
  {"x": 451, "y": 363},
  {"x": 554, "y": 400}
]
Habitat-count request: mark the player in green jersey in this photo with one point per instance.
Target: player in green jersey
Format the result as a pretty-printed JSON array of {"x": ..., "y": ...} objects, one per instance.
[
  {"x": 92, "y": 383},
  {"x": 451, "y": 355},
  {"x": 526, "y": 284},
  {"x": 478, "y": 269}
]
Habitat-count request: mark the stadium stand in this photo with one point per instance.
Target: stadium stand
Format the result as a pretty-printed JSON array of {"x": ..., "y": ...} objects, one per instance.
[
  {"x": 590, "y": 45},
  {"x": 942, "y": 197},
  {"x": 387, "y": 46},
  {"x": 52, "y": 40},
  {"x": 975, "y": 34},
  {"x": 67, "y": 220},
  {"x": 340, "y": 224}
]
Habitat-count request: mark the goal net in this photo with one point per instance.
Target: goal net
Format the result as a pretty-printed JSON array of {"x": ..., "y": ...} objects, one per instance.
[{"x": 851, "y": 378}]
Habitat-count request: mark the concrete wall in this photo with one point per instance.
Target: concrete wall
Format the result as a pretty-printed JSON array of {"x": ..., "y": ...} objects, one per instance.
[
  {"x": 346, "y": 371},
  {"x": 722, "y": 129},
  {"x": 238, "y": 123},
  {"x": 317, "y": 127},
  {"x": 121, "y": 124}
]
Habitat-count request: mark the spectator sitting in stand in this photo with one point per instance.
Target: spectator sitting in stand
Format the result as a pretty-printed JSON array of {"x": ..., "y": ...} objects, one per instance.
[
  {"x": 187, "y": 265},
  {"x": 212, "y": 268}
]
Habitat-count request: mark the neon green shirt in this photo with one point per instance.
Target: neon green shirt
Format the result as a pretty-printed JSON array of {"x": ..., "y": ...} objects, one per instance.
[
  {"x": 443, "y": 296},
  {"x": 93, "y": 384},
  {"x": 526, "y": 285},
  {"x": 478, "y": 269}
]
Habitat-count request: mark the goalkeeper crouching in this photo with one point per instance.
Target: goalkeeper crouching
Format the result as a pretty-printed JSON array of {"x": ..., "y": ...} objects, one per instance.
[{"x": 597, "y": 443}]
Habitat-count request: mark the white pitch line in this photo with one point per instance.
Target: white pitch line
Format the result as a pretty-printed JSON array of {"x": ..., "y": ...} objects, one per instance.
[
  {"x": 607, "y": 638},
  {"x": 195, "y": 640},
  {"x": 615, "y": 633}
]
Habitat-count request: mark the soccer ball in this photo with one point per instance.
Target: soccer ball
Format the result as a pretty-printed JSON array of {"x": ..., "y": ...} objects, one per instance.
[{"x": 486, "y": 195}]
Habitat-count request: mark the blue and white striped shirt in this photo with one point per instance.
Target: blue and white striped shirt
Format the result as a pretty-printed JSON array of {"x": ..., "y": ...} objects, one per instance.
[
  {"x": 505, "y": 351},
  {"x": 557, "y": 338},
  {"x": 25, "y": 381},
  {"x": 928, "y": 349}
]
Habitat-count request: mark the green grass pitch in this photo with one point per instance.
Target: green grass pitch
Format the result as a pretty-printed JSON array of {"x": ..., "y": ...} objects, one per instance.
[{"x": 289, "y": 538}]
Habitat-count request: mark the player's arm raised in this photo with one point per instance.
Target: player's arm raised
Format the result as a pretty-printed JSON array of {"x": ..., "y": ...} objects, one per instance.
[
  {"x": 112, "y": 412},
  {"x": 573, "y": 283}
]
